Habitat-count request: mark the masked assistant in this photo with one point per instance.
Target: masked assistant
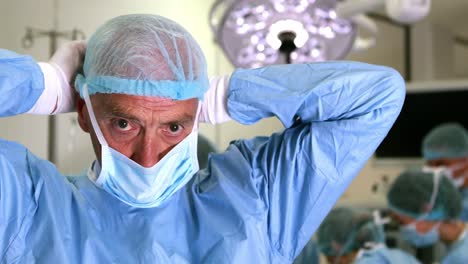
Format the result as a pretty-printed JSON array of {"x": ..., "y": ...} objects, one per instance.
[
  {"x": 433, "y": 197},
  {"x": 448, "y": 140},
  {"x": 345, "y": 230}
]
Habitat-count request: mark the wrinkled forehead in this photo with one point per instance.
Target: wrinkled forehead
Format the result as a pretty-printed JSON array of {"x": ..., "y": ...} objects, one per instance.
[
  {"x": 113, "y": 99},
  {"x": 125, "y": 101}
]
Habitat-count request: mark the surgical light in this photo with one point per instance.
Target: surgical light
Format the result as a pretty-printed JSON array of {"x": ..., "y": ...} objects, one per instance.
[{"x": 255, "y": 33}]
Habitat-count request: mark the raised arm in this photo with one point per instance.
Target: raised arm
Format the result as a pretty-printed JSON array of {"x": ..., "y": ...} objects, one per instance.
[
  {"x": 21, "y": 83},
  {"x": 335, "y": 114},
  {"x": 39, "y": 88},
  {"x": 26, "y": 86}
]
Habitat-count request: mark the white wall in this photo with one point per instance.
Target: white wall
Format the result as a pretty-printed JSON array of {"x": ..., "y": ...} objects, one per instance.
[
  {"x": 461, "y": 61},
  {"x": 389, "y": 48}
]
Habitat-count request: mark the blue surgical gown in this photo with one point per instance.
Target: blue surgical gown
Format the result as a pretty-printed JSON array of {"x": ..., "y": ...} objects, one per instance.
[
  {"x": 457, "y": 253},
  {"x": 257, "y": 202},
  {"x": 385, "y": 255}
]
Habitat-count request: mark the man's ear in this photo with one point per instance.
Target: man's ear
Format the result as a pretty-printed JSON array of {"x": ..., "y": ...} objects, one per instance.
[{"x": 82, "y": 114}]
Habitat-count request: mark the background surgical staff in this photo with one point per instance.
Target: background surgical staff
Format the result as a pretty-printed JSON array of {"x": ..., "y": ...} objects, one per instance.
[
  {"x": 446, "y": 147},
  {"x": 431, "y": 213},
  {"x": 220, "y": 210},
  {"x": 350, "y": 235}
]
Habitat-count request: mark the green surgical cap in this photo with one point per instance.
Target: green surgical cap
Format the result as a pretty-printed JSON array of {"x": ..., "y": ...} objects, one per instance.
[
  {"x": 145, "y": 55},
  {"x": 410, "y": 195},
  {"x": 345, "y": 230},
  {"x": 448, "y": 140}
]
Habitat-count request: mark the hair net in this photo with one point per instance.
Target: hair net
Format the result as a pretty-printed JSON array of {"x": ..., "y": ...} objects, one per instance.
[
  {"x": 345, "y": 230},
  {"x": 411, "y": 193},
  {"x": 448, "y": 140},
  {"x": 144, "y": 55}
]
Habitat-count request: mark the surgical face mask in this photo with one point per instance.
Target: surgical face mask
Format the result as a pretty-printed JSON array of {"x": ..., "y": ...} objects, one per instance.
[
  {"x": 143, "y": 187},
  {"x": 409, "y": 231},
  {"x": 460, "y": 179},
  {"x": 410, "y": 234},
  {"x": 457, "y": 182},
  {"x": 449, "y": 173}
]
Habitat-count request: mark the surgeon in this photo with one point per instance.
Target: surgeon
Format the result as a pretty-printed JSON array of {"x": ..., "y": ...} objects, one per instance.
[
  {"x": 446, "y": 147},
  {"x": 143, "y": 90},
  {"x": 427, "y": 205},
  {"x": 350, "y": 235}
]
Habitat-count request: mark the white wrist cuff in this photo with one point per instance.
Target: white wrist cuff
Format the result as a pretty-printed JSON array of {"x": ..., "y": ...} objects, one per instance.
[
  {"x": 214, "y": 107},
  {"x": 46, "y": 103},
  {"x": 57, "y": 93},
  {"x": 65, "y": 96}
]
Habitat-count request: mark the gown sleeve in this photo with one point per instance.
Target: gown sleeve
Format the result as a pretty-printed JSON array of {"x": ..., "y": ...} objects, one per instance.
[
  {"x": 21, "y": 83},
  {"x": 335, "y": 115}
]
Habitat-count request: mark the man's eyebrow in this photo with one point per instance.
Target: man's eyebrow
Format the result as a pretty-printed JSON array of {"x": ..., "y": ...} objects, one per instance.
[
  {"x": 125, "y": 112},
  {"x": 121, "y": 112},
  {"x": 124, "y": 115},
  {"x": 186, "y": 118}
]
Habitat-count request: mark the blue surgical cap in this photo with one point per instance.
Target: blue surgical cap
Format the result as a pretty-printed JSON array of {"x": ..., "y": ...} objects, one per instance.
[
  {"x": 345, "y": 230},
  {"x": 411, "y": 193},
  {"x": 449, "y": 140},
  {"x": 145, "y": 55}
]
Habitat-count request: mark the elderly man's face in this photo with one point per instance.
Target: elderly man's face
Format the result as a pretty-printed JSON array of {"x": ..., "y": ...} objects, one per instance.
[{"x": 142, "y": 128}]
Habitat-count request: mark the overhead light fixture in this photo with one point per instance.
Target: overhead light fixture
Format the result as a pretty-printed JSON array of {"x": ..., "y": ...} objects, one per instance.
[{"x": 255, "y": 33}]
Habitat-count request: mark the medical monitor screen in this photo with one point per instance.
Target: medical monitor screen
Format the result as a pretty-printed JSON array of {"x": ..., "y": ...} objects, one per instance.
[{"x": 422, "y": 111}]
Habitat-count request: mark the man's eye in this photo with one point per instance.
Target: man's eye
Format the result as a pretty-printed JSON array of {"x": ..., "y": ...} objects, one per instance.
[
  {"x": 123, "y": 124},
  {"x": 174, "y": 128}
]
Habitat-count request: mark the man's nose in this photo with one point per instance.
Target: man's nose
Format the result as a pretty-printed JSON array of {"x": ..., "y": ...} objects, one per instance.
[{"x": 149, "y": 151}]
